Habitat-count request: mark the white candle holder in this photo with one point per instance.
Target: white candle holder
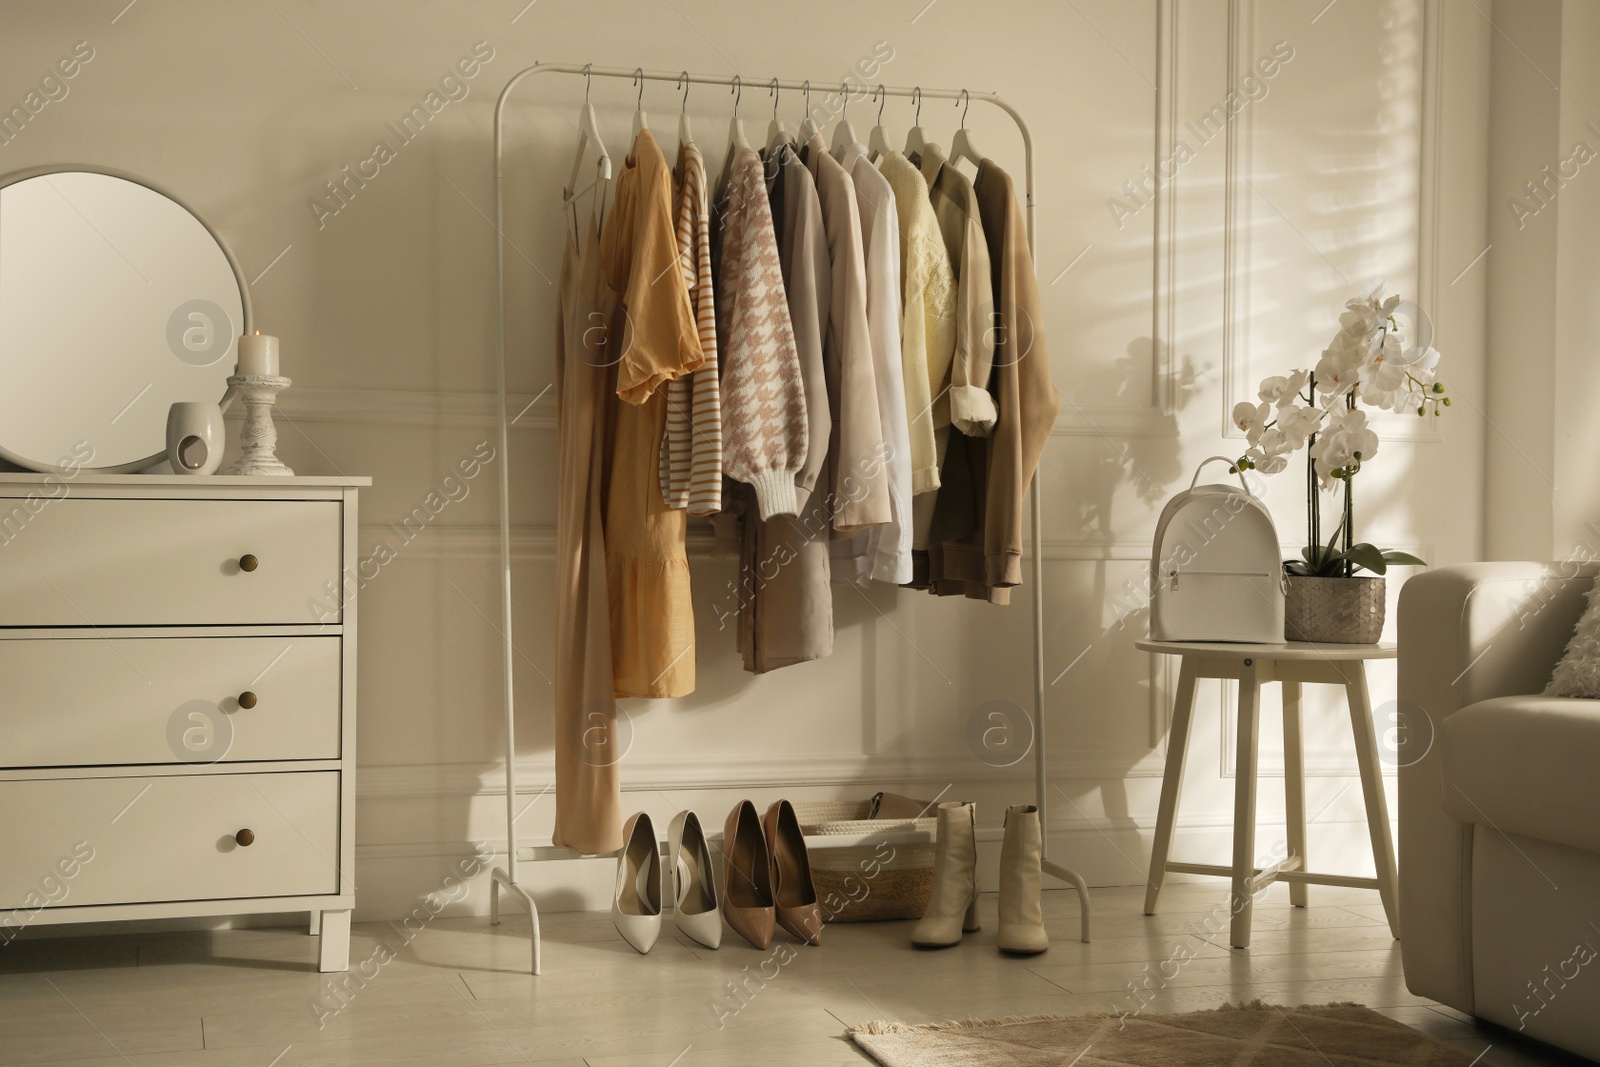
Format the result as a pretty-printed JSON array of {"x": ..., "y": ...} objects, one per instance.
[{"x": 259, "y": 437}]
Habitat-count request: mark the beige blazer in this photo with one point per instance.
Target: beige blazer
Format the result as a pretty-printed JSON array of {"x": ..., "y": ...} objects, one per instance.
[{"x": 856, "y": 463}]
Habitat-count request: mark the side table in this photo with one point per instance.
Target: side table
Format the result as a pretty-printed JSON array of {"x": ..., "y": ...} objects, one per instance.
[{"x": 1293, "y": 664}]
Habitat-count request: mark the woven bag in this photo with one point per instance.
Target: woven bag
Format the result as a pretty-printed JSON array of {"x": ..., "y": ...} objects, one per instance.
[{"x": 870, "y": 883}]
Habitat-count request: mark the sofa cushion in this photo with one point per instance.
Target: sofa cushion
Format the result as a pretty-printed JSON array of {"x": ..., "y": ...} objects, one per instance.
[{"x": 1526, "y": 765}]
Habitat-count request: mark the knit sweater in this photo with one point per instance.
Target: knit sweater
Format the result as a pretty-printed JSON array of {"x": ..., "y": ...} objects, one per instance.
[
  {"x": 928, "y": 329},
  {"x": 691, "y": 448},
  {"x": 763, "y": 398}
]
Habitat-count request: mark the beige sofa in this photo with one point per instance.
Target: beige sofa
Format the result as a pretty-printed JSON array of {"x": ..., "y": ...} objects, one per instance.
[{"x": 1500, "y": 820}]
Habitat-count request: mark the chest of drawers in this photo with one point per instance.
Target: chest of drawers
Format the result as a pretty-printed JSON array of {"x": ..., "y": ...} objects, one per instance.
[{"x": 177, "y": 700}]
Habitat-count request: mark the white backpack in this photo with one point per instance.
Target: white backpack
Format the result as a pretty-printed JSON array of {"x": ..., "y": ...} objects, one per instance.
[{"x": 1216, "y": 570}]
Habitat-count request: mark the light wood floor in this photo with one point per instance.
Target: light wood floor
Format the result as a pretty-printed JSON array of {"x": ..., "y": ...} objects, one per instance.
[{"x": 455, "y": 995}]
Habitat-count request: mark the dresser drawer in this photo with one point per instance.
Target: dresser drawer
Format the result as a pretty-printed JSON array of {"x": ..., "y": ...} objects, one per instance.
[
  {"x": 101, "y": 699},
  {"x": 82, "y": 562},
  {"x": 156, "y": 839}
]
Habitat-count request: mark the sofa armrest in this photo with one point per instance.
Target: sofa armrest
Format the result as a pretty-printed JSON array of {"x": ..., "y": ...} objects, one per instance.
[{"x": 1467, "y": 634}]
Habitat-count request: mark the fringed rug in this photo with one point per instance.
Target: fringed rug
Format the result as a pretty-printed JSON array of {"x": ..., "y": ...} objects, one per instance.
[{"x": 1257, "y": 1034}]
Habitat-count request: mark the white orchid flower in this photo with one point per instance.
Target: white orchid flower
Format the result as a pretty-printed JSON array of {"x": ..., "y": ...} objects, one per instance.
[
  {"x": 1280, "y": 389},
  {"x": 1252, "y": 419}
]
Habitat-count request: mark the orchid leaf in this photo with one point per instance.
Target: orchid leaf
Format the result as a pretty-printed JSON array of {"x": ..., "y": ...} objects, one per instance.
[
  {"x": 1403, "y": 559},
  {"x": 1369, "y": 556}
]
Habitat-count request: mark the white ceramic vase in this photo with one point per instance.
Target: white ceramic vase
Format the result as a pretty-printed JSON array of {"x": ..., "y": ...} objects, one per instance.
[{"x": 195, "y": 437}]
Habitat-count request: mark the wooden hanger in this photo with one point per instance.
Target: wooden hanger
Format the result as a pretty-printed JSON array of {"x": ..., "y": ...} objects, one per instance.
[
  {"x": 844, "y": 134},
  {"x": 777, "y": 129},
  {"x": 736, "y": 135},
  {"x": 588, "y": 133},
  {"x": 641, "y": 121},
  {"x": 961, "y": 146},
  {"x": 808, "y": 128},
  {"x": 685, "y": 135},
  {"x": 878, "y": 139},
  {"x": 916, "y": 140}
]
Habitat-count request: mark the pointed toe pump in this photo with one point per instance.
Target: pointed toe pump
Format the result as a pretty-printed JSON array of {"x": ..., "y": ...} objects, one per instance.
[
  {"x": 793, "y": 891},
  {"x": 747, "y": 877},
  {"x": 696, "y": 909},
  {"x": 636, "y": 905},
  {"x": 953, "y": 905}
]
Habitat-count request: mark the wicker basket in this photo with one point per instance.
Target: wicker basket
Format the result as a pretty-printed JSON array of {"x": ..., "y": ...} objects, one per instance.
[
  {"x": 868, "y": 883},
  {"x": 1344, "y": 611}
]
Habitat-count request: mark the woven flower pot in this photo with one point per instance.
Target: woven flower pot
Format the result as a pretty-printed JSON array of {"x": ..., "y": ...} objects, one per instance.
[{"x": 1342, "y": 611}]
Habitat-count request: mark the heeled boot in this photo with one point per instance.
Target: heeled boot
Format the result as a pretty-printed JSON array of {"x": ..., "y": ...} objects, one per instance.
[
  {"x": 953, "y": 904},
  {"x": 1021, "y": 917}
]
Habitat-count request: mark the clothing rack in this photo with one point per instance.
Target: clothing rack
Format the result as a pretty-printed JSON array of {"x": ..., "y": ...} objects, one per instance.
[{"x": 507, "y": 876}]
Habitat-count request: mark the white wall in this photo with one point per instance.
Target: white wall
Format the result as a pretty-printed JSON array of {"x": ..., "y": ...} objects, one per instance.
[{"x": 1362, "y": 160}]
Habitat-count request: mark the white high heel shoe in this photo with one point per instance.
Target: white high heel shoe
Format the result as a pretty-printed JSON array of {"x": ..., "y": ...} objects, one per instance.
[
  {"x": 636, "y": 905},
  {"x": 697, "y": 910}
]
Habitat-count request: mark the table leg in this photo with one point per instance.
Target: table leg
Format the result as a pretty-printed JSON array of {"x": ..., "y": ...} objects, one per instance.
[
  {"x": 1171, "y": 782},
  {"x": 314, "y": 927},
  {"x": 334, "y": 951},
  {"x": 1244, "y": 803},
  {"x": 1294, "y": 786},
  {"x": 1355, "y": 687}
]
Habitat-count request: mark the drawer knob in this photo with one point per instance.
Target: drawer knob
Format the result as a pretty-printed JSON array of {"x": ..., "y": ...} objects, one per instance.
[
  {"x": 245, "y": 838},
  {"x": 247, "y": 700},
  {"x": 247, "y": 562}
]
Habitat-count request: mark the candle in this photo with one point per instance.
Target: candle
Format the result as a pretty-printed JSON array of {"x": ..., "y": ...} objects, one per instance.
[{"x": 258, "y": 355}]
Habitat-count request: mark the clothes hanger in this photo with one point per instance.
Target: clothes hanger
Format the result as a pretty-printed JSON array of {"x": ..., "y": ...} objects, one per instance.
[
  {"x": 777, "y": 129},
  {"x": 844, "y": 134},
  {"x": 588, "y": 132},
  {"x": 736, "y": 135},
  {"x": 685, "y": 136},
  {"x": 961, "y": 146},
  {"x": 641, "y": 121},
  {"x": 878, "y": 139},
  {"x": 916, "y": 140},
  {"x": 808, "y": 128}
]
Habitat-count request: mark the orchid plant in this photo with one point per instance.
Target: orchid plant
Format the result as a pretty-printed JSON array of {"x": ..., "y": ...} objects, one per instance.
[{"x": 1369, "y": 362}]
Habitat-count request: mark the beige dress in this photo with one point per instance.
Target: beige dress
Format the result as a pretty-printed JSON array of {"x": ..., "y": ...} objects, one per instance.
[
  {"x": 588, "y": 801},
  {"x": 652, "y": 339}
]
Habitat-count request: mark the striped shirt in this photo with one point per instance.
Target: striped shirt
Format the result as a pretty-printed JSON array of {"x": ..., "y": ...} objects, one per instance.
[{"x": 691, "y": 447}]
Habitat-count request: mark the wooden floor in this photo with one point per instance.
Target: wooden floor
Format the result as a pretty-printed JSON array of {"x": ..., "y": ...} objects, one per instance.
[{"x": 456, "y": 994}]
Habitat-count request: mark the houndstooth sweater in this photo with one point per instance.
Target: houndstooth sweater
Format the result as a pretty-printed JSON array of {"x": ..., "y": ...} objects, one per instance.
[{"x": 763, "y": 400}]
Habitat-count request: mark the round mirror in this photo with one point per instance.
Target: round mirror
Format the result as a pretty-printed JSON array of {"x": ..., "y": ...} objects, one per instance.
[{"x": 116, "y": 302}]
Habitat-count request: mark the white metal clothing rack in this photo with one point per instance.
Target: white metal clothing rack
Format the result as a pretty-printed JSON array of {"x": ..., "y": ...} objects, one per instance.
[{"x": 507, "y": 876}]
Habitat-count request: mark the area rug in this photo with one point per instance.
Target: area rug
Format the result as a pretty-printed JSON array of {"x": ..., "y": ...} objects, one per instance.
[{"x": 1254, "y": 1034}]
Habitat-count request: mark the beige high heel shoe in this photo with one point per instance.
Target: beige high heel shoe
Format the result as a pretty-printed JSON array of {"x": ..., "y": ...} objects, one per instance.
[
  {"x": 695, "y": 905},
  {"x": 747, "y": 901},
  {"x": 636, "y": 904},
  {"x": 953, "y": 905},
  {"x": 794, "y": 893}
]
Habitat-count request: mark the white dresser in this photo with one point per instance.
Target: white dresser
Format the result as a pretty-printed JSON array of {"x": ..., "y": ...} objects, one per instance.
[{"x": 178, "y": 699}]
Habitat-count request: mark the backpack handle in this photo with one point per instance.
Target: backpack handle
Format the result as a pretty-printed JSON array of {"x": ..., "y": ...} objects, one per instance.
[{"x": 1217, "y": 459}]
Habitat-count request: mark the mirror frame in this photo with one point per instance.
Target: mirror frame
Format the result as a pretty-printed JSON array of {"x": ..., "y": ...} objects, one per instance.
[{"x": 226, "y": 400}]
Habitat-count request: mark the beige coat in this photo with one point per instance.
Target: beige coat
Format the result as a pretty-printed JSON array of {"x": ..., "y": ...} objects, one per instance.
[
  {"x": 856, "y": 463},
  {"x": 986, "y": 563}
]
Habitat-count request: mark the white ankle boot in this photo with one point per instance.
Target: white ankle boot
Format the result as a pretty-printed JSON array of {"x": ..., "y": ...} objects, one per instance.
[
  {"x": 953, "y": 905},
  {"x": 1021, "y": 918}
]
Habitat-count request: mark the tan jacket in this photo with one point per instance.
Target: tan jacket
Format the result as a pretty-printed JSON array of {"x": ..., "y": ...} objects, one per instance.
[{"x": 986, "y": 563}]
